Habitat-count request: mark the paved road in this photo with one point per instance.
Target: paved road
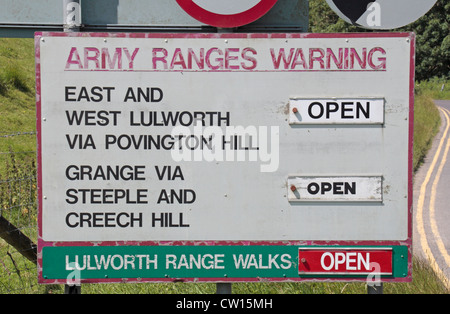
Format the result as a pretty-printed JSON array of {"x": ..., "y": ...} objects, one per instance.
[{"x": 431, "y": 239}]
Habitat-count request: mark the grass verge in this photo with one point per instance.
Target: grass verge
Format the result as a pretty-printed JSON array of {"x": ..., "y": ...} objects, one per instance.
[{"x": 426, "y": 122}]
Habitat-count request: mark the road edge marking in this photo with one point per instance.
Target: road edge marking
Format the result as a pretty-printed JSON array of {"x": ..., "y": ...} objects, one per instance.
[
  {"x": 434, "y": 228},
  {"x": 419, "y": 215}
]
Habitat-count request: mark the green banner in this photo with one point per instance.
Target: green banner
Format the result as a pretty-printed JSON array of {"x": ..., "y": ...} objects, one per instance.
[{"x": 159, "y": 262}]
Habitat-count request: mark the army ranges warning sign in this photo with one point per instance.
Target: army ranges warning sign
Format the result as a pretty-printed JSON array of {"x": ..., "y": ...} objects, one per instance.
[{"x": 224, "y": 157}]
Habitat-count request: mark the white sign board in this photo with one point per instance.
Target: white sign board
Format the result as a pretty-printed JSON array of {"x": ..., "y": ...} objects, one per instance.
[
  {"x": 190, "y": 137},
  {"x": 338, "y": 188}
]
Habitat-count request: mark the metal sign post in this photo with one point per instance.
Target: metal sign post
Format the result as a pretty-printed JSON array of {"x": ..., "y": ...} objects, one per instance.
[
  {"x": 72, "y": 23},
  {"x": 72, "y": 15}
]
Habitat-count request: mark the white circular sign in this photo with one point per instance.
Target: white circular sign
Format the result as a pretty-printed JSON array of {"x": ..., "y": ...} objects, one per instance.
[
  {"x": 226, "y": 14},
  {"x": 381, "y": 14}
]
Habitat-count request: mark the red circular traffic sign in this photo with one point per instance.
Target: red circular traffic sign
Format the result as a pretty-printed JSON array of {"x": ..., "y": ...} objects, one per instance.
[{"x": 226, "y": 14}]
